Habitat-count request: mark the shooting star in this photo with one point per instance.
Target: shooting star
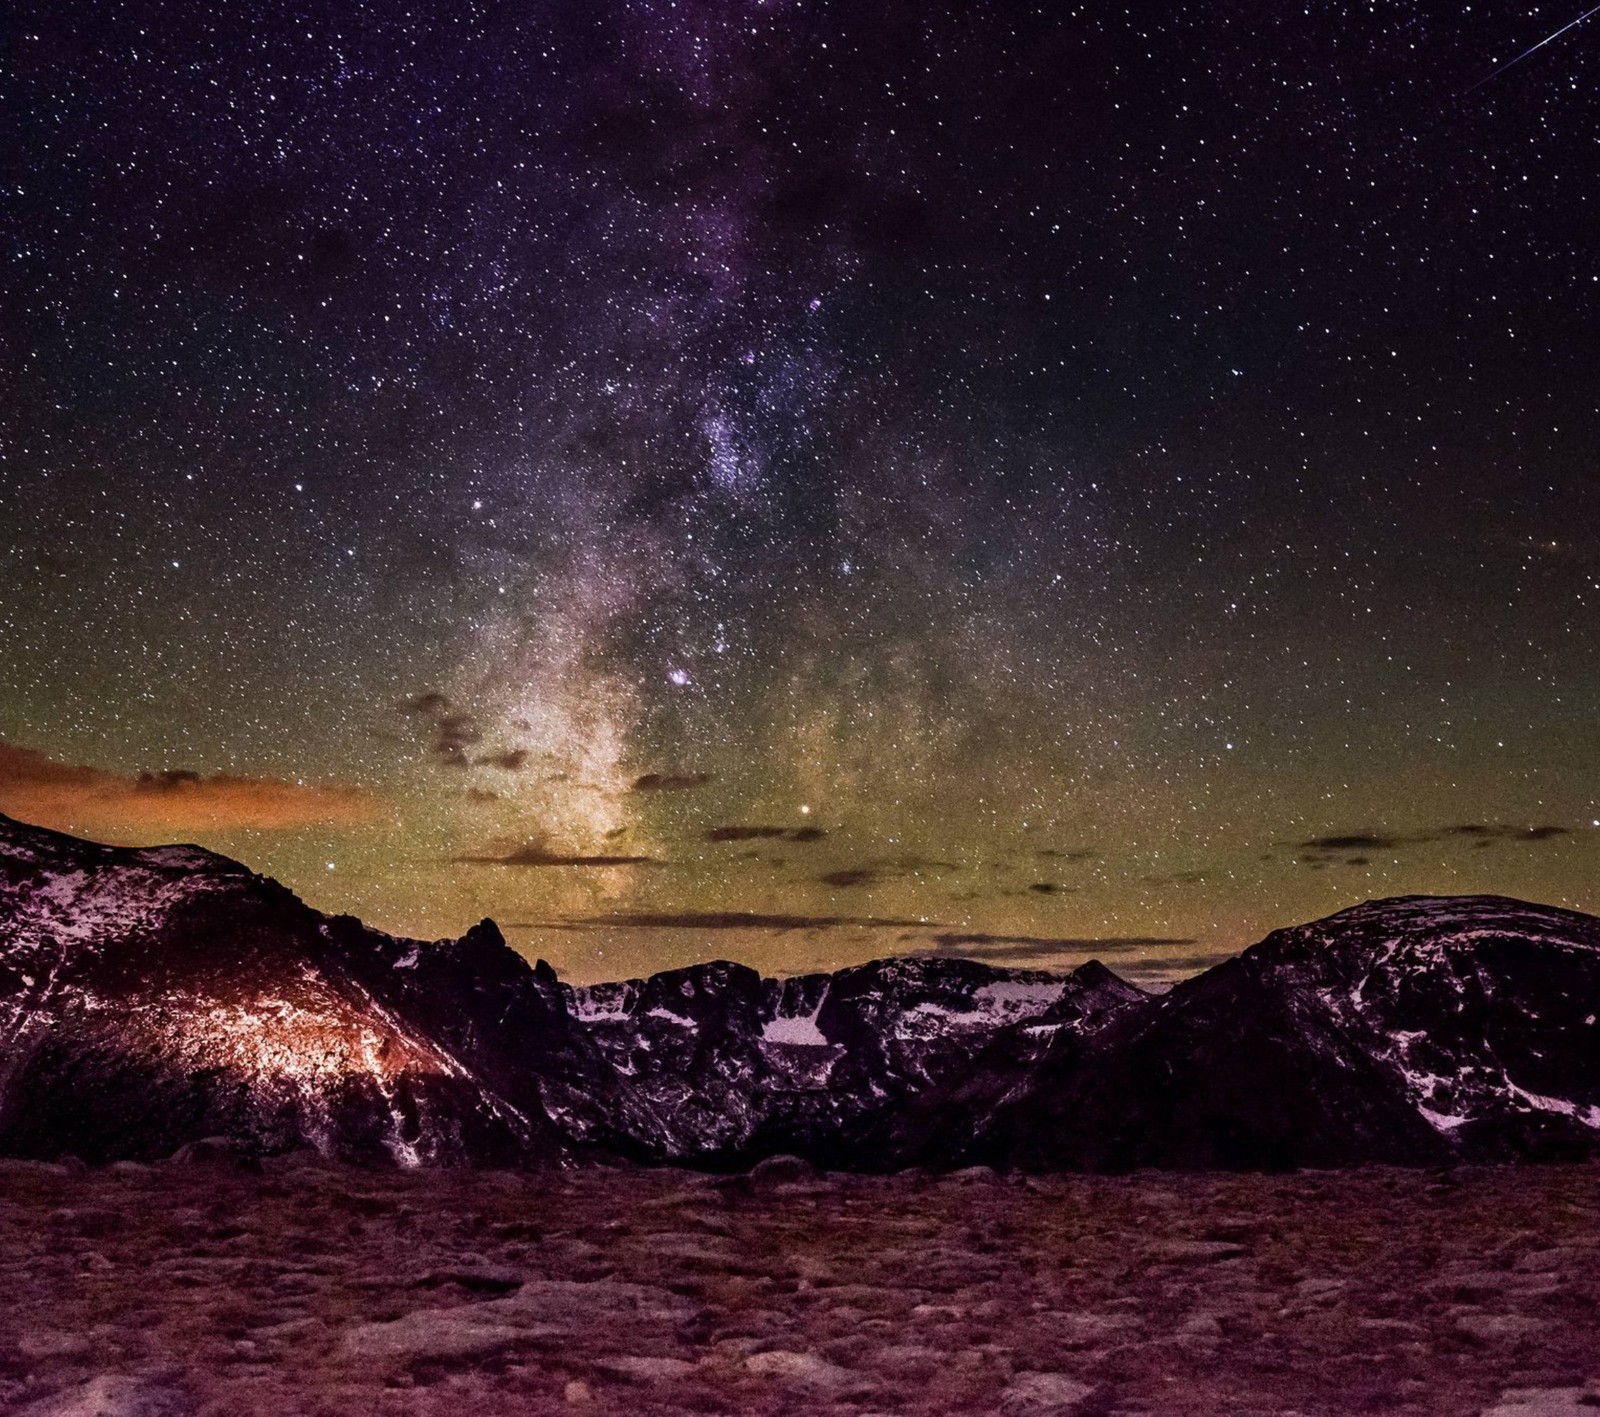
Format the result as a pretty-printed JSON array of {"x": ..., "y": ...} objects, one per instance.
[{"x": 1494, "y": 73}]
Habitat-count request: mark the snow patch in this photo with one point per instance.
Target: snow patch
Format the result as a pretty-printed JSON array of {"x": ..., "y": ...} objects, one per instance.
[
  {"x": 1444, "y": 1122},
  {"x": 180, "y": 858},
  {"x": 1587, "y": 1116},
  {"x": 602, "y": 1003},
  {"x": 587, "y": 1010},
  {"x": 1012, "y": 998},
  {"x": 798, "y": 1029},
  {"x": 801, "y": 1030}
]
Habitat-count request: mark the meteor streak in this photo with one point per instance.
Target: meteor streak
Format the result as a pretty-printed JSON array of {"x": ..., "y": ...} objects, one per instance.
[{"x": 1526, "y": 52}]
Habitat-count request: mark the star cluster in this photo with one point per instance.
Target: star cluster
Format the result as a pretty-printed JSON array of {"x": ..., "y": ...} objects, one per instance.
[{"x": 807, "y": 480}]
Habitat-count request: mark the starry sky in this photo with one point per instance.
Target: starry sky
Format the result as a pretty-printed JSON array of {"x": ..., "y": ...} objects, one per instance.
[{"x": 796, "y": 480}]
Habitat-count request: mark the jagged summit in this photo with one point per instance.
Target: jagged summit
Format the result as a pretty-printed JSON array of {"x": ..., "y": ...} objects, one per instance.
[
  {"x": 719, "y": 1063},
  {"x": 150, "y": 997}
]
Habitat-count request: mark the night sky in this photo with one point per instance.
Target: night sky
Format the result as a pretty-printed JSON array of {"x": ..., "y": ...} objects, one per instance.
[{"x": 803, "y": 481}]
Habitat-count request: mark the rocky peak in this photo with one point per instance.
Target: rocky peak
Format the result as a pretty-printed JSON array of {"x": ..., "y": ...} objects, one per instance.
[{"x": 152, "y": 997}]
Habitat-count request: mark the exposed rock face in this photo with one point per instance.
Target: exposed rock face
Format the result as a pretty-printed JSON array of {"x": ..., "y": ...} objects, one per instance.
[
  {"x": 716, "y": 1062},
  {"x": 151, "y": 999},
  {"x": 1410, "y": 1031},
  {"x": 154, "y": 998}
]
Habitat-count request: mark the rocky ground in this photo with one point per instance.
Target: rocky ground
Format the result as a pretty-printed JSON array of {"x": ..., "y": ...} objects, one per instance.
[{"x": 196, "y": 1289}]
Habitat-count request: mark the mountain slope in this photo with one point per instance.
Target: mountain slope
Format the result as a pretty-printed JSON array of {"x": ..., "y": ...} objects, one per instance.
[
  {"x": 148, "y": 998},
  {"x": 720, "y": 1065},
  {"x": 1411, "y": 1031},
  {"x": 152, "y": 997}
]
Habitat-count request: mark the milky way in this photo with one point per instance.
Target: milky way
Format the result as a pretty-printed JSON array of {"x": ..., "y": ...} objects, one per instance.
[{"x": 1007, "y": 479}]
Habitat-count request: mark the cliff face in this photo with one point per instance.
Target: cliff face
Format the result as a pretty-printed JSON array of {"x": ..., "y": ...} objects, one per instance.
[{"x": 716, "y": 1062}]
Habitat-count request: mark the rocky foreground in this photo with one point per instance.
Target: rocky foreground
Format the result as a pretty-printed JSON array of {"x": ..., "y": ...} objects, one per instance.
[{"x": 181, "y": 1290}]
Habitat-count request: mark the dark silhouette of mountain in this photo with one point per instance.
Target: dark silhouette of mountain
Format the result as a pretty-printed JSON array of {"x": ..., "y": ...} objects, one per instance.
[
  {"x": 1411, "y": 1031},
  {"x": 152, "y": 998}
]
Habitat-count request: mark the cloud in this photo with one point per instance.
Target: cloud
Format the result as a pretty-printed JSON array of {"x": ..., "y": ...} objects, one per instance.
[
  {"x": 1017, "y": 949},
  {"x": 1169, "y": 969},
  {"x": 1545, "y": 832},
  {"x": 765, "y": 833},
  {"x": 872, "y": 872},
  {"x": 1173, "y": 956},
  {"x": 1076, "y": 944},
  {"x": 1049, "y": 888},
  {"x": 1357, "y": 841},
  {"x": 722, "y": 920},
  {"x": 71, "y": 797},
  {"x": 1050, "y": 853},
  {"x": 453, "y": 734},
  {"x": 670, "y": 781},
  {"x": 536, "y": 854},
  {"x": 1320, "y": 851},
  {"x": 512, "y": 760},
  {"x": 851, "y": 877}
]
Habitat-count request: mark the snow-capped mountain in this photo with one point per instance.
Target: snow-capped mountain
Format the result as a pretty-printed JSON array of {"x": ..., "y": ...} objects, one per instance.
[
  {"x": 1415, "y": 1030},
  {"x": 153, "y": 997},
  {"x": 718, "y": 1064},
  {"x": 150, "y": 998}
]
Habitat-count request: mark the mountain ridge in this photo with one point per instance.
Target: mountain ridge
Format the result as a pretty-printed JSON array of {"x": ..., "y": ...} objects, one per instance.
[{"x": 150, "y": 997}]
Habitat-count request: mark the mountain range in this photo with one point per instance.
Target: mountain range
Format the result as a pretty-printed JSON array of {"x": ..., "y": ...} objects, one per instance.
[{"x": 153, "y": 998}]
